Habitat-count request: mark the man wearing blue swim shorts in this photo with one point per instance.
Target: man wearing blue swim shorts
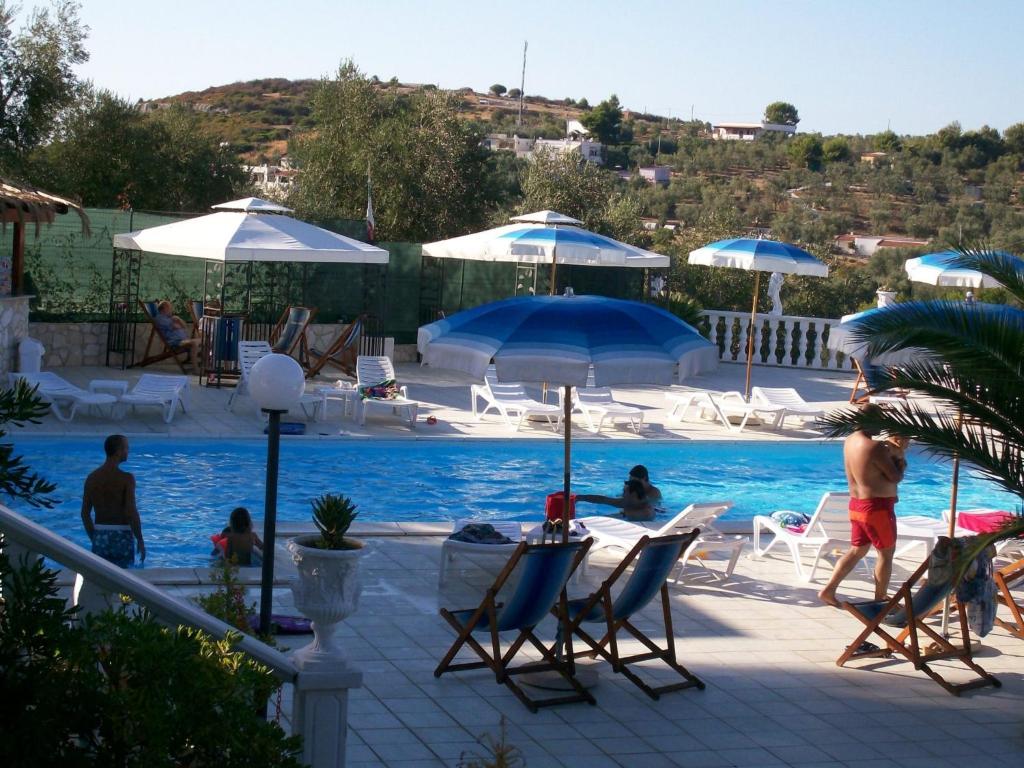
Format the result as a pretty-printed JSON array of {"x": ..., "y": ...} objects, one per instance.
[{"x": 110, "y": 491}]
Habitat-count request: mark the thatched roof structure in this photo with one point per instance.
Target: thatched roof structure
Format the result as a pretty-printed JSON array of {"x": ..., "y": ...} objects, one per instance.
[{"x": 21, "y": 203}]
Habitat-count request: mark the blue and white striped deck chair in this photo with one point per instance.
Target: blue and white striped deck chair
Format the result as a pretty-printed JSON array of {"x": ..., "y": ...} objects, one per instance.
[
  {"x": 544, "y": 571},
  {"x": 291, "y": 329},
  {"x": 654, "y": 560}
]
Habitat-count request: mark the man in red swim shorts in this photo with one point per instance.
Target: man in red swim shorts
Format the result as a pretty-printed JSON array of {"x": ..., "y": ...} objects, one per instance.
[{"x": 872, "y": 474}]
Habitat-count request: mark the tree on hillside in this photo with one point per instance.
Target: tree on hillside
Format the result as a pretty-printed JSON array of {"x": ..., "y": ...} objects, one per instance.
[
  {"x": 805, "y": 151},
  {"x": 781, "y": 113},
  {"x": 1013, "y": 137},
  {"x": 567, "y": 183},
  {"x": 426, "y": 163},
  {"x": 886, "y": 141},
  {"x": 112, "y": 156},
  {"x": 497, "y": 89},
  {"x": 605, "y": 120},
  {"x": 514, "y": 93},
  {"x": 36, "y": 77},
  {"x": 835, "y": 150}
]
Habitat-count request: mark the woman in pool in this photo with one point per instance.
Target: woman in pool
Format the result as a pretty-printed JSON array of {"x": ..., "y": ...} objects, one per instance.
[
  {"x": 633, "y": 502},
  {"x": 240, "y": 540}
]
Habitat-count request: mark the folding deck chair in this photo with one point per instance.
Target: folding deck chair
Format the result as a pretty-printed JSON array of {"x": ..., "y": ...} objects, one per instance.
[
  {"x": 545, "y": 570},
  {"x": 1006, "y": 578},
  {"x": 917, "y": 642},
  {"x": 655, "y": 558},
  {"x": 340, "y": 353},
  {"x": 290, "y": 330},
  {"x": 181, "y": 352}
]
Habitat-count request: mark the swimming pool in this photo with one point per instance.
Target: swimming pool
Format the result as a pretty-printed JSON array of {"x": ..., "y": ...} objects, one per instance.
[{"x": 187, "y": 488}]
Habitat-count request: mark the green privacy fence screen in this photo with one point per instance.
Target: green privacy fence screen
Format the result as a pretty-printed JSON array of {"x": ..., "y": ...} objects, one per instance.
[{"x": 69, "y": 274}]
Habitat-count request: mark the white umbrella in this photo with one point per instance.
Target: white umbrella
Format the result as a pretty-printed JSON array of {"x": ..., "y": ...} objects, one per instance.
[
  {"x": 545, "y": 237},
  {"x": 758, "y": 255},
  {"x": 938, "y": 269}
]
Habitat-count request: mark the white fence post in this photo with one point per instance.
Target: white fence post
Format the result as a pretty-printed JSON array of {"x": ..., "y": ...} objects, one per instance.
[{"x": 790, "y": 342}]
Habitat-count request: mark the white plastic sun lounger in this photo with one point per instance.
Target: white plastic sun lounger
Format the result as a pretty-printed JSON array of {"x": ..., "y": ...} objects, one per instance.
[
  {"x": 788, "y": 399},
  {"x": 64, "y": 397},
  {"x": 450, "y": 547},
  {"x": 724, "y": 407},
  {"x": 598, "y": 404},
  {"x": 829, "y": 527},
  {"x": 510, "y": 399},
  {"x": 163, "y": 391},
  {"x": 249, "y": 353},
  {"x": 372, "y": 370}
]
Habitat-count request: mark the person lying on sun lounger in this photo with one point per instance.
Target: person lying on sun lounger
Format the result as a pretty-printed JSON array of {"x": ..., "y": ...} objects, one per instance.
[{"x": 633, "y": 502}]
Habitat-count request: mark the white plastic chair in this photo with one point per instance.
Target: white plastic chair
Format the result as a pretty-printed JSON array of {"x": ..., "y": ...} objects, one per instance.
[
  {"x": 510, "y": 399},
  {"x": 788, "y": 399},
  {"x": 63, "y": 397},
  {"x": 724, "y": 407},
  {"x": 598, "y": 403},
  {"x": 249, "y": 353},
  {"x": 163, "y": 391},
  {"x": 828, "y": 527},
  {"x": 450, "y": 547},
  {"x": 372, "y": 370}
]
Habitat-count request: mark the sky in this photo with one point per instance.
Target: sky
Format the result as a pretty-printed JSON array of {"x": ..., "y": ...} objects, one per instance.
[{"x": 858, "y": 66}]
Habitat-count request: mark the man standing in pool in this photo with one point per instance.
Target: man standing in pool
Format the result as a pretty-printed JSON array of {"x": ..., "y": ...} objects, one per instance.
[
  {"x": 872, "y": 473},
  {"x": 110, "y": 491}
]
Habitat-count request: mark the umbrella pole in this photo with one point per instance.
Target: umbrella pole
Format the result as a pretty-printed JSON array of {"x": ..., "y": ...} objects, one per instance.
[
  {"x": 953, "y": 491},
  {"x": 554, "y": 270},
  {"x": 567, "y": 480},
  {"x": 750, "y": 336}
]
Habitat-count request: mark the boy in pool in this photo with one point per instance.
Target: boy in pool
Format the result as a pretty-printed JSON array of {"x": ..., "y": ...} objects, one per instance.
[
  {"x": 633, "y": 502},
  {"x": 897, "y": 446},
  {"x": 241, "y": 541}
]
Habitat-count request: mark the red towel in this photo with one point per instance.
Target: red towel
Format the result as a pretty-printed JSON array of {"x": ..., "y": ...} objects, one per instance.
[{"x": 982, "y": 521}]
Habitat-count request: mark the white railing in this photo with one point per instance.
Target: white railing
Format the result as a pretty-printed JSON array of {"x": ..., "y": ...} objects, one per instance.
[
  {"x": 320, "y": 701},
  {"x": 782, "y": 341}
]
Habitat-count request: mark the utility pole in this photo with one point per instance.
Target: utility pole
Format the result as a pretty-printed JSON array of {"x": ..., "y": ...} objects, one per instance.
[{"x": 522, "y": 86}]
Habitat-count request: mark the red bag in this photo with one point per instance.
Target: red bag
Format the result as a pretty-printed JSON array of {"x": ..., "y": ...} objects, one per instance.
[{"x": 553, "y": 506}]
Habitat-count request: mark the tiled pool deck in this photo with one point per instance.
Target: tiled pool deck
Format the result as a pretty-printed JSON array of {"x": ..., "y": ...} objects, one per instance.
[{"x": 761, "y": 642}]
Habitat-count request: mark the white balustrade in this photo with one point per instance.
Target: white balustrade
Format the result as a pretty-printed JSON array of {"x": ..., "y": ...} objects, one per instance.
[{"x": 780, "y": 340}]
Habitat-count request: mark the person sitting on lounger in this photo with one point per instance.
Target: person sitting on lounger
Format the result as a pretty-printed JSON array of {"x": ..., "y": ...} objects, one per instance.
[
  {"x": 172, "y": 328},
  {"x": 633, "y": 502}
]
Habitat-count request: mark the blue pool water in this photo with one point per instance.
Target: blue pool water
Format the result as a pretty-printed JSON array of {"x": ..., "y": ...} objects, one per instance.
[{"x": 187, "y": 488}]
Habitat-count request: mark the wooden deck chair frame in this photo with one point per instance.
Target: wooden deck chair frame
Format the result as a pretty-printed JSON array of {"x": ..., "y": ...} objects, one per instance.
[
  {"x": 341, "y": 353},
  {"x": 282, "y": 323},
  {"x": 1005, "y": 578},
  {"x": 181, "y": 356},
  {"x": 196, "y": 311},
  {"x": 916, "y": 642},
  {"x": 488, "y": 614},
  {"x": 601, "y": 607}
]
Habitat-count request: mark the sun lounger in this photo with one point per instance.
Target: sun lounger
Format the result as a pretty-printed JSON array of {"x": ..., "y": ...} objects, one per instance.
[
  {"x": 828, "y": 527},
  {"x": 545, "y": 570},
  {"x": 985, "y": 520},
  {"x": 374, "y": 370},
  {"x": 166, "y": 392},
  {"x": 654, "y": 559},
  {"x": 64, "y": 397},
  {"x": 788, "y": 399},
  {"x": 917, "y": 642},
  {"x": 450, "y": 547},
  {"x": 597, "y": 404},
  {"x": 728, "y": 408},
  {"x": 510, "y": 400},
  {"x": 912, "y": 530}
]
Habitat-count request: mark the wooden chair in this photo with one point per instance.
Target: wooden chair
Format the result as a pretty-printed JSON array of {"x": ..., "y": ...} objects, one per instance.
[
  {"x": 655, "y": 558},
  {"x": 158, "y": 348},
  {"x": 917, "y": 642},
  {"x": 1006, "y": 578},
  {"x": 290, "y": 330},
  {"x": 196, "y": 309},
  {"x": 545, "y": 570},
  {"x": 340, "y": 354}
]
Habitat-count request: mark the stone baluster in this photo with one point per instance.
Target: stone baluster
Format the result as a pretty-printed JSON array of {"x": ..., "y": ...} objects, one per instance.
[
  {"x": 797, "y": 329},
  {"x": 727, "y": 338}
]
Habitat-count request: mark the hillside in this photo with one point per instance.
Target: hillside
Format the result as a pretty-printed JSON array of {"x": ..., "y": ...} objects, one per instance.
[{"x": 259, "y": 116}]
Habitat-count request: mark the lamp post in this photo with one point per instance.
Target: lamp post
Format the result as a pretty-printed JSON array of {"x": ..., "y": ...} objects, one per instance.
[{"x": 276, "y": 384}]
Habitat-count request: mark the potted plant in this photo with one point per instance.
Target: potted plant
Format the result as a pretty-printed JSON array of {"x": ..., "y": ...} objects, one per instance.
[{"x": 328, "y": 587}]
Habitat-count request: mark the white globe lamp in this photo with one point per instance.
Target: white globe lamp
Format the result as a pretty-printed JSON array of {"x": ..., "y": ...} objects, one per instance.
[{"x": 277, "y": 382}]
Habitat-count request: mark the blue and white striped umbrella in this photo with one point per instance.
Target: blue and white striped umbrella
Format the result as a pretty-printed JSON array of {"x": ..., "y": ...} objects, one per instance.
[
  {"x": 545, "y": 237},
  {"x": 844, "y": 338},
  {"x": 556, "y": 339},
  {"x": 938, "y": 269},
  {"x": 759, "y": 255}
]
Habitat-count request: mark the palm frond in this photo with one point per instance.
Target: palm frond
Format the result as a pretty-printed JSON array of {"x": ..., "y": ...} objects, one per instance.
[{"x": 999, "y": 265}]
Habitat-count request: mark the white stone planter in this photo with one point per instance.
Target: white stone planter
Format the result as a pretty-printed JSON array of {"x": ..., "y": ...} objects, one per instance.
[{"x": 326, "y": 591}]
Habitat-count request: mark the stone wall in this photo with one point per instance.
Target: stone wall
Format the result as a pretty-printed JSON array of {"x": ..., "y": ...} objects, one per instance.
[{"x": 13, "y": 328}]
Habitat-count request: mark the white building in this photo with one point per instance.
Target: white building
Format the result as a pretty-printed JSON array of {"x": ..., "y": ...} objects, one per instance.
[
  {"x": 749, "y": 131},
  {"x": 655, "y": 174},
  {"x": 524, "y": 148},
  {"x": 274, "y": 181},
  {"x": 589, "y": 150}
]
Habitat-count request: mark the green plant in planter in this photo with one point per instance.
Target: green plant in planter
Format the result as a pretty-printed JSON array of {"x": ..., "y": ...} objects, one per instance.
[{"x": 332, "y": 515}]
